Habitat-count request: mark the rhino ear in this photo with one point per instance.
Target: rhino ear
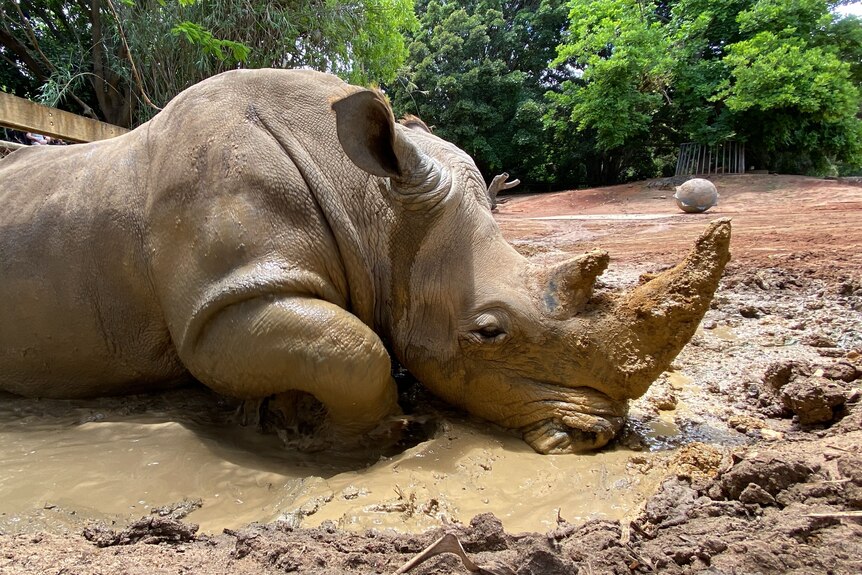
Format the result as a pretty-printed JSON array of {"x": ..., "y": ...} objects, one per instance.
[{"x": 366, "y": 131}]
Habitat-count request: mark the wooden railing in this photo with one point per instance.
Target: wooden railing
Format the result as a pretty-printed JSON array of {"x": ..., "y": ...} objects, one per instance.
[{"x": 20, "y": 114}]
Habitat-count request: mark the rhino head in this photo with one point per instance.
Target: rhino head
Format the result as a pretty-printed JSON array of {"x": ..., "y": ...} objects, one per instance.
[{"x": 529, "y": 348}]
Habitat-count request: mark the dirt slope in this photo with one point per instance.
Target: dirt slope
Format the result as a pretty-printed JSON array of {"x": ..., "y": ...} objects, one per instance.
[{"x": 778, "y": 221}]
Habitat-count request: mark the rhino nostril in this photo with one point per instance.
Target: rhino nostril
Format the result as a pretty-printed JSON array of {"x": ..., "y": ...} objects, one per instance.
[{"x": 572, "y": 434}]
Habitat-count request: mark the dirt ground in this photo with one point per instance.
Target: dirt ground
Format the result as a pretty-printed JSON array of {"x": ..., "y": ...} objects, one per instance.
[{"x": 764, "y": 477}]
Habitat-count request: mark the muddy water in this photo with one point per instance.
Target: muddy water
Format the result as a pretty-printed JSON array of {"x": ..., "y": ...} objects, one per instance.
[
  {"x": 470, "y": 469},
  {"x": 64, "y": 463}
]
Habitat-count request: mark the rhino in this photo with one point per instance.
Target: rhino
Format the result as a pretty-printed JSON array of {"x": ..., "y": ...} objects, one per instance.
[{"x": 272, "y": 232}]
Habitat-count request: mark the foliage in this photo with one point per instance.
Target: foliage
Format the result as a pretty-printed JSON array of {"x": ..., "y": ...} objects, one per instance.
[
  {"x": 135, "y": 55},
  {"x": 558, "y": 93},
  {"x": 779, "y": 76},
  {"x": 224, "y": 50},
  {"x": 477, "y": 71},
  {"x": 623, "y": 58}
]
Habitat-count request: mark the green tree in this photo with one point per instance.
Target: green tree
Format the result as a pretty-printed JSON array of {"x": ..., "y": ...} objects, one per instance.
[
  {"x": 623, "y": 65},
  {"x": 782, "y": 77},
  {"x": 126, "y": 58},
  {"x": 477, "y": 71},
  {"x": 789, "y": 93}
]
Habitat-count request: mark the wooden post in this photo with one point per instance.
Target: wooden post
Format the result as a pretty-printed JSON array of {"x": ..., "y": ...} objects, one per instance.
[{"x": 20, "y": 114}]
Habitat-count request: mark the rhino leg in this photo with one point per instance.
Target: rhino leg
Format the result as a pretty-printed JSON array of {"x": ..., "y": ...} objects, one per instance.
[{"x": 263, "y": 347}]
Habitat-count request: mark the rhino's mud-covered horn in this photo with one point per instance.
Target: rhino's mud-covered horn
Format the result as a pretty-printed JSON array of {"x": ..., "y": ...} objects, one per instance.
[
  {"x": 368, "y": 134},
  {"x": 645, "y": 331},
  {"x": 569, "y": 285}
]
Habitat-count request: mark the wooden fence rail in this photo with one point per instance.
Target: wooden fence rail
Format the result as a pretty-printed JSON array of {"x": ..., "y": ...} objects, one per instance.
[{"x": 20, "y": 114}]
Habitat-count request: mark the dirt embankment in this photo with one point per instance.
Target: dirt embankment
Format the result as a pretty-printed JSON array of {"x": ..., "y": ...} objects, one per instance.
[{"x": 765, "y": 474}]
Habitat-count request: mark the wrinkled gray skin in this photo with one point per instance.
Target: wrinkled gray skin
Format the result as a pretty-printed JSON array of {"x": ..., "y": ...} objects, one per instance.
[{"x": 274, "y": 231}]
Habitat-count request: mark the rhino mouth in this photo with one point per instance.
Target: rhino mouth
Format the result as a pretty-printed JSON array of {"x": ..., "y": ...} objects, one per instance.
[{"x": 585, "y": 421}]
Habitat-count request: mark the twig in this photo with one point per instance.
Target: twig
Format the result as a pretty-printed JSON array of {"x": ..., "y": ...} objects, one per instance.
[
  {"x": 129, "y": 54},
  {"x": 847, "y": 514},
  {"x": 450, "y": 544}
]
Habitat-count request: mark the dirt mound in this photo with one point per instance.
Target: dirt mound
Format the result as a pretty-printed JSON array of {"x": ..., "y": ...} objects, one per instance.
[{"x": 787, "y": 221}]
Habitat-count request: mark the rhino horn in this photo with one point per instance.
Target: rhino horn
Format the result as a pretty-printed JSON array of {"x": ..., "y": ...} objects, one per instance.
[
  {"x": 569, "y": 285},
  {"x": 498, "y": 184},
  {"x": 368, "y": 134},
  {"x": 649, "y": 326}
]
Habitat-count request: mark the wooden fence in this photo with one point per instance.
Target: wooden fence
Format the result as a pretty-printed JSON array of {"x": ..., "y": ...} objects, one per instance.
[
  {"x": 724, "y": 158},
  {"x": 20, "y": 114}
]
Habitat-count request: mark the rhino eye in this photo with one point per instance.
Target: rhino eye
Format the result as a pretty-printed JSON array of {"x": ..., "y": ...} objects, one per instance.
[{"x": 488, "y": 329}]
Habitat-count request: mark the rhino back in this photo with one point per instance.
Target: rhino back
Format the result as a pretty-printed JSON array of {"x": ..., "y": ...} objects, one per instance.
[
  {"x": 115, "y": 255},
  {"x": 78, "y": 315},
  {"x": 258, "y": 199}
]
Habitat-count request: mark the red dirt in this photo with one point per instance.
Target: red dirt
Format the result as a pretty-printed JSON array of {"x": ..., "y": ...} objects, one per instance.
[{"x": 777, "y": 220}]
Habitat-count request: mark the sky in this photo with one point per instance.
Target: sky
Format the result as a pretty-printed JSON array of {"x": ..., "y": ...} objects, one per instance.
[{"x": 855, "y": 9}]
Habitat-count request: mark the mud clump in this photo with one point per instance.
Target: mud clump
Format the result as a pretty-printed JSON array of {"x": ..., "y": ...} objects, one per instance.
[
  {"x": 148, "y": 530},
  {"x": 814, "y": 394},
  {"x": 814, "y": 400},
  {"x": 770, "y": 472}
]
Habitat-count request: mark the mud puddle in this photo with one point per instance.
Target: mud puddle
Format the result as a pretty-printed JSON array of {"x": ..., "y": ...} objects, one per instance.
[
  {"x": 117, "y": 459},
  {"x": 64, "y": 463}
]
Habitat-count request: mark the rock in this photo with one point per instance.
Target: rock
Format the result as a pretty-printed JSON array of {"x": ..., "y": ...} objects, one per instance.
[
  {"x": 485, "y": 534},
  {"x": 756, "y": 494},
  {"x": 672, "y": 504},
  {"x": 771, "y": 435},
  {"x": 745, "y": 423},
  {"x": 773, "y": 471},
  {"x": 778, "y": 374},
  {"x": 665, "y": 400},
  {"x": 818, "y": 340},
  {"x": 813, "y": 400},
  {"x": 697, "y": 460},
  {"x": 696, "y": 196},
  {"x": 842, "y": 371},
  {"x": 749, "y": 311}
]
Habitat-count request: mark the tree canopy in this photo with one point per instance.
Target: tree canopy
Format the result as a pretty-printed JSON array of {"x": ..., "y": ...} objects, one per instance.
[
  {"x": 478, "y": 71},
  {"x": 628, "y": 81},
  {"x": 120, "y": 60},
  {"x": 558, "y": 93},
  {"x": 778, "y": 76}
]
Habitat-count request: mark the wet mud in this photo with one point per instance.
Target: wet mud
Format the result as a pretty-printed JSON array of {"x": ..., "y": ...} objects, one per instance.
[
  {"x": 66, "y": 463},
  {"x": 743, "y": 458}
]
